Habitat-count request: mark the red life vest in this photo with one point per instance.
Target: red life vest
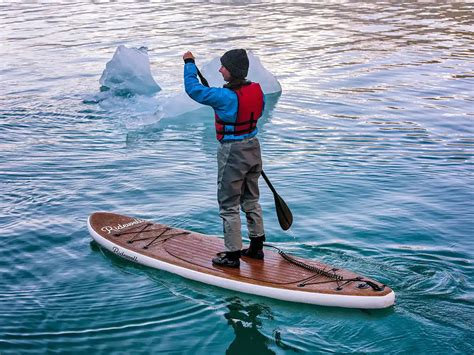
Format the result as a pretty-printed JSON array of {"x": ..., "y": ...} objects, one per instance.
[{"x": 250, "y": 108}]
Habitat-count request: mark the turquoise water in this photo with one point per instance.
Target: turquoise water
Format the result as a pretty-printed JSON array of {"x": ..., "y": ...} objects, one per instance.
[{"x": 370, "y": 144}]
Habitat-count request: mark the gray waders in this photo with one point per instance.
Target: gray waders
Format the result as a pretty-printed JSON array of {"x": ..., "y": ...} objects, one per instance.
[{"x": 239, "y": 167}]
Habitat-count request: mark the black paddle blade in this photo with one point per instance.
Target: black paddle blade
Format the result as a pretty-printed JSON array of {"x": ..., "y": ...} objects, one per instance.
[{"x": 285, "y": 217}]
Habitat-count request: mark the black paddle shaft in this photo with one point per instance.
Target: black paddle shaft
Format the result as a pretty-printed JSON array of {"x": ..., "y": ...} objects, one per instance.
[
  {"x": 285, "y": 217},
  {"x": 203, "y": 79},
  {"x": 269, "y": 183}
]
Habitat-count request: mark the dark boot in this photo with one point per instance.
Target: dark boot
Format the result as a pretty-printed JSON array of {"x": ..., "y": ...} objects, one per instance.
[
  {"x": 228, "y": 259},
  {"x": 255, "y": 250}
]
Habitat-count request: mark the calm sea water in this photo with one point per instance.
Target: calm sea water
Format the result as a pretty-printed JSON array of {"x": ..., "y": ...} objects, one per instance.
[{"x": 370, "y": 143}]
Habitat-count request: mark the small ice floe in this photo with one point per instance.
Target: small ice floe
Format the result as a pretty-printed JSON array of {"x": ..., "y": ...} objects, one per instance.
[
  {"x": 257, "y": 73},
  {"x": 128, "y": 73},
  {"x": 181, "y": 103}
]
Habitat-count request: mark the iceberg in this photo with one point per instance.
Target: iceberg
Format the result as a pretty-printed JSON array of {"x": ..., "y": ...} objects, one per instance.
[
  {"x": 128, "y": 73},
  {"x": 179, "y": 104}
]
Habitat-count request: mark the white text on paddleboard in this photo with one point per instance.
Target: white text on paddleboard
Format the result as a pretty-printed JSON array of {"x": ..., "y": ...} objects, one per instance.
[
  {"x": 122, "y": 226},
  {"x": 123, "y": 255}
]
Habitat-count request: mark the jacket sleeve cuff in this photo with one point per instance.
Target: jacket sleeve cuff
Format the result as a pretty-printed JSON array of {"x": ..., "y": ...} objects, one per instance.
[{"x": 189, "y": 60}]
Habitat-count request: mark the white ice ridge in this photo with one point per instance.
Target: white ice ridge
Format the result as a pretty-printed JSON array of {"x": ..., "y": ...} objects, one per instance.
[
  {"x": 257, "y": 73},
  {"x": 128, "y": 72},
  {"x": 182, "y": 103}
]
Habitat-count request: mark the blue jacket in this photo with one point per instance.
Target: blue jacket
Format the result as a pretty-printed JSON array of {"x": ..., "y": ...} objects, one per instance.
[{"x": 224, "y": 101}]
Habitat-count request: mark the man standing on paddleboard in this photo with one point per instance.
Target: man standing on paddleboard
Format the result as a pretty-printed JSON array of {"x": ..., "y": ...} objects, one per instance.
[{"x": 237, "y": 106}]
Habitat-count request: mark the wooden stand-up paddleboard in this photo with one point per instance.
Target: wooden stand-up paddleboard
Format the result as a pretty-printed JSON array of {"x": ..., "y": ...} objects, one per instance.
[{"x": 279, "y": 276}]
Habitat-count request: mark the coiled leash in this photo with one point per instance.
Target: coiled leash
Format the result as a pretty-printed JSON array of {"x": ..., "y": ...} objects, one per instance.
[{"x": 331, "y": 274}]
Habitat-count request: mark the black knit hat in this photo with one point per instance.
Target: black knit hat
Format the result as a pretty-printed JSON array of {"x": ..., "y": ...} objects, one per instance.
[{"x": 236, "y": 62}]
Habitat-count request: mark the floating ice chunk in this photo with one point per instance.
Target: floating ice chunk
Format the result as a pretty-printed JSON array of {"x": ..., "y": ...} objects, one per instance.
[
  {"x": 257, "y": 73},
  {"x": 128, "y": 72},
  {"x": 179, "y": 104}
]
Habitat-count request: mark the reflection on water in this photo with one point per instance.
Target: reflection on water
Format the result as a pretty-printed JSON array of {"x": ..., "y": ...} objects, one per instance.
[{"x": 246, "y": 321}]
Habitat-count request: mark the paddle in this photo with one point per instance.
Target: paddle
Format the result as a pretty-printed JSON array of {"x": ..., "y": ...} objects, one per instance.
[
  {"x": 285, "y": 217},
  {"x": 203, "y": 79}
]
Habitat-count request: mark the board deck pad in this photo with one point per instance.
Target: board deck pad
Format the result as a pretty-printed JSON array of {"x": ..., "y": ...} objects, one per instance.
[{"x": 195, "y": 251}]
